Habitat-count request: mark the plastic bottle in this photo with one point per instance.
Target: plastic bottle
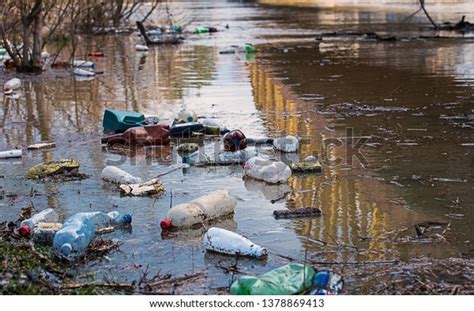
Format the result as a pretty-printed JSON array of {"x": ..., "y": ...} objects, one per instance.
[
  {"x": 83, "y": 63},
  {"x": 74, "y": 237},
  {"x": 78, "y": 231},
  {"x": 11, "y": 85},
  {"x": 154, "y": 32},
  {"x": 211, "y": 127},
  {"x": 210, "y": 206},
  {"x": 201, "y": 30},
  {"x": 249, "y": 48},
  {"x": 83, "y": 73},
  {"x": 236, "y": 157},
  {"x": 186, "y": 129},
  {"x": 48, "y": 215},
  {"x": 45, "y": 55},
  {"x": 187, "y": 116},
  {"x": 118, "y": 176},
  {"x": 229, "y": 50},
  {"x": 231, "y": 243},
  {"x": 200, "y": 158},
  {"x": 268, "y": 170},
  {"x": 286, "y": 144},
  {"x": 44, "y": 232},
  {"x": 327, "y": 283},
  {"x": 10, "y": 154},
  {"x": 141, "y": 48},
  {"x": 114, "y": 219}
]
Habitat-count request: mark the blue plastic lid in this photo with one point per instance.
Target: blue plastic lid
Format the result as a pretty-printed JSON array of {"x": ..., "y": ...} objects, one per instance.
[
  {"x": 66, "y": 249},
  {"x": 127, "y": 219},
  {"x": 321, "y": 280}
]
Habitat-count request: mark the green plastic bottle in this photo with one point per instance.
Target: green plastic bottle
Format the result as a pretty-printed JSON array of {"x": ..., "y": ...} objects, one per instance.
[
  {"x": 201, "y": 30},
  {"x": 291, "y": 279},
  {"x": 250, "y": 48}
]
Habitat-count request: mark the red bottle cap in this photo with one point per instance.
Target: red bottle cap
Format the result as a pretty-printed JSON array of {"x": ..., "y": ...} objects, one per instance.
[
  {"x": 165, "y": 224},
  {"x": 24, "y": 231}
]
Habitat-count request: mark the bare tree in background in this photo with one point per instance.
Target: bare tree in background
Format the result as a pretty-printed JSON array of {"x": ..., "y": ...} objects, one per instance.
[
  {"x": 422, "y": 8},
  {"x": 21, "y": 27},
  {"x": 26, "y": 26}
]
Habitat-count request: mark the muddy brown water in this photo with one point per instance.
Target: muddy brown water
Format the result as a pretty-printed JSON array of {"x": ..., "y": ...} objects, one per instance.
[{"x": 411, "y": 101}]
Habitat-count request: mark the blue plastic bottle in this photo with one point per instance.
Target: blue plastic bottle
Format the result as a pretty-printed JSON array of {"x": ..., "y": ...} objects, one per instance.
[
  {"x": 78, "y": 231},
  {"x": 327, "y": 283}
]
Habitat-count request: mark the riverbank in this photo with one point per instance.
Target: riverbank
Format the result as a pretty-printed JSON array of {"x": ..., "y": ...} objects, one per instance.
[{"x": 26, "y": 270}]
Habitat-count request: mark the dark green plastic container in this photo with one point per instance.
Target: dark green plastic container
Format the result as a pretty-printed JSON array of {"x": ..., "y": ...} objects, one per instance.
[
  {"x": 185, "y": 129},
  {"x": 119, "y": 121}
]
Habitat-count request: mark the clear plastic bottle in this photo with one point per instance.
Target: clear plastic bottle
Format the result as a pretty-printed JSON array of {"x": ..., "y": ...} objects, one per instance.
[
  {"x": 48, "y": 215},
  {"x": 114, "y": 219},
  {"x": 78, "y": 231}
]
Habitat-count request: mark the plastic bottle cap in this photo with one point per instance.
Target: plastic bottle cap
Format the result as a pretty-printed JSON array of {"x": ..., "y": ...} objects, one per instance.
[
  {"x": 66, "y": 249},
  {"x": 321, "y": 279},
  {"x": 24, "y": 231},
  {"x": 165, "y": 224},
  {"x": 127, "y": 219}
]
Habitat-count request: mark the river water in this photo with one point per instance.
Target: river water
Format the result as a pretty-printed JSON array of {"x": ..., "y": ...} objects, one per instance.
[{"x": 408, "y": 103}]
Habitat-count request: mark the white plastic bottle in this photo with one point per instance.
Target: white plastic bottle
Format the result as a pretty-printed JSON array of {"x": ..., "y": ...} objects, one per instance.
[
  {"x": 286, "y": 144},
  {"x": 83, "y": 73},
  {"x": 210, "y": 206},
  {"x": 10, "y": 154},
  {"x": 48, "y": 215},
  {"x": 141, "y": 48},
  {"x": 11, "y": 85},
  {"x": 78, "y": 231},
  {"x": 83, "y": 63},
  {"x": 118, "y": 176},
  {"x": 268, "y": 170},
  {"x": 231, "y": 243}
]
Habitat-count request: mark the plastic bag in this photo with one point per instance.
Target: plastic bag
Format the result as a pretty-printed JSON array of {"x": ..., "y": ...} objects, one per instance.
[
  {"x": 270, "y": 171},
  {"x": 287, "y": 280}
]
